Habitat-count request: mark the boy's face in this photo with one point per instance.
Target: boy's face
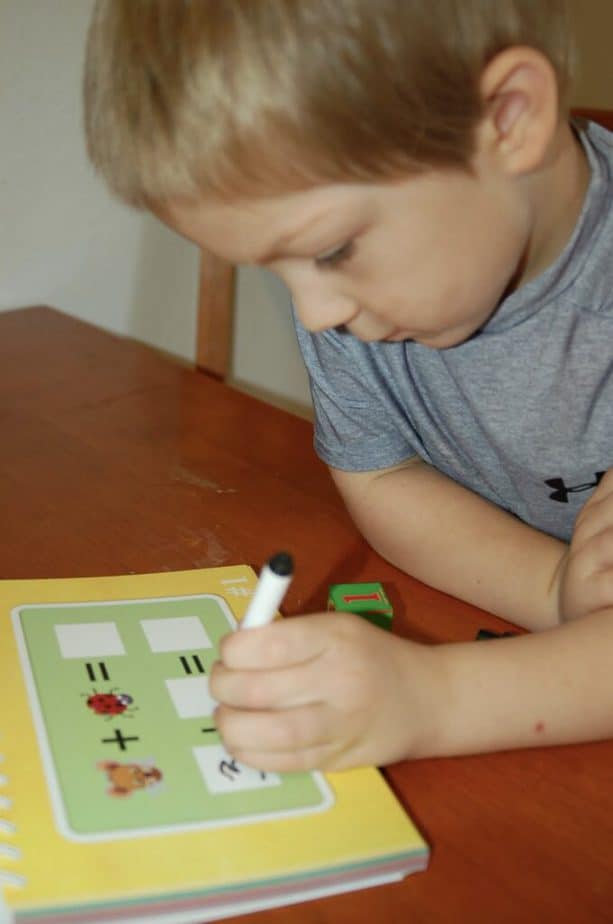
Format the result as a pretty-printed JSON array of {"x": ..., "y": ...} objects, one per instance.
[{"x": 425, "y": 258}]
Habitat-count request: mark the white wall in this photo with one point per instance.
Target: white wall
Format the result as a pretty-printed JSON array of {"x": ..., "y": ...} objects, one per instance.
[
  {"x": 266, "y": 353},
  {"x": 65, "y": 242}
]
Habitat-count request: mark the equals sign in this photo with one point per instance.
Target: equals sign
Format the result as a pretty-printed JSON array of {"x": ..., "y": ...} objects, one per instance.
[
  {"x": 91, "y": 671},
  {"x": 198, "y": 667}
]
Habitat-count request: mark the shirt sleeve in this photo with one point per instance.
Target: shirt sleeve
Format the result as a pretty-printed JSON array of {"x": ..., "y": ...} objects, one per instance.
[{"x": 358, "y": 424}]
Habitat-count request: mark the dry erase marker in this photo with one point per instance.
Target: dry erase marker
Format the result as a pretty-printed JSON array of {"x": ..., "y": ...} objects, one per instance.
[{"x": 274, "y": 580}]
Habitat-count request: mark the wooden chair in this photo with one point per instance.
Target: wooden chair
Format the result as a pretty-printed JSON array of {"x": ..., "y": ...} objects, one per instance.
[
  {"x": 217, "y": 290},
  {"x": 215, "y": 319}
]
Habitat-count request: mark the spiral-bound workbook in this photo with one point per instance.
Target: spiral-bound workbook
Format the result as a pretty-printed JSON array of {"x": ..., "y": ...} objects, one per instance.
[{"x": 118, "y": 801}]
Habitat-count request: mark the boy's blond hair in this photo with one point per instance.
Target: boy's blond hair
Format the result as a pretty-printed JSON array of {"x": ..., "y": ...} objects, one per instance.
[{"x": 225, "y": 97}]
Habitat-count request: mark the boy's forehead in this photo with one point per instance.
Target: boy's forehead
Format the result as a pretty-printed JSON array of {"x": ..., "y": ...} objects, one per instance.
[{"x": 256, "y": 228}]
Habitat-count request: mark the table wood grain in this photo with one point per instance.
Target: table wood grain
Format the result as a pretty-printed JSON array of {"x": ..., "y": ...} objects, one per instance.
[{"x": 116, "y": 459}]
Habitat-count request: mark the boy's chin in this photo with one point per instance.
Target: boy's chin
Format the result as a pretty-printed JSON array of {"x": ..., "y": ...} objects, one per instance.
[
  {"x": 446, "y": 340},
  {"x": 397, "y": 336}
]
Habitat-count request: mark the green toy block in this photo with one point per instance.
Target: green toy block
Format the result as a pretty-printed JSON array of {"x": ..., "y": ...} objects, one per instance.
[{"x": 367, "y": 600}]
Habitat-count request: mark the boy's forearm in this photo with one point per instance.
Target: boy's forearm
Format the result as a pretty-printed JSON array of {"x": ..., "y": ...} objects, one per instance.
[
  {"x": 547, "y": 688},
  {"x": 454, "y": 540}
]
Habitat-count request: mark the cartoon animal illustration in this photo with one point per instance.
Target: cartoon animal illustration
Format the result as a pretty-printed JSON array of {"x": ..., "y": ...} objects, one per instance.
[
  {"x": 126, "y": 779},
  {"x": 109, "y": 704}
]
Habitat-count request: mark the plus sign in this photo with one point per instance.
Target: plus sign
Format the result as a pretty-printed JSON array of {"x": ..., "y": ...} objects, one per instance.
[{"x": 119, "y": 739}]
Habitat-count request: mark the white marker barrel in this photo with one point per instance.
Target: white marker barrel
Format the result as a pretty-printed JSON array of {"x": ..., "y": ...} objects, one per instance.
[{"x": 275, "y": 578}]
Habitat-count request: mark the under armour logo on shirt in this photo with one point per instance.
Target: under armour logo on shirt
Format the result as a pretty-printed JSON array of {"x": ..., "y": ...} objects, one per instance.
[{"x": 561, "y": 491}]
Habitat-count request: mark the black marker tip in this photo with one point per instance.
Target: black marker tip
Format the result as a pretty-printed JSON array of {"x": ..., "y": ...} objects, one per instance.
[{"x": 282, "y": 564}]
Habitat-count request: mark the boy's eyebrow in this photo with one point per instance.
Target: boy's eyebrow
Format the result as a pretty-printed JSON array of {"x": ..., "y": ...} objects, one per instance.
[{"x": 279, "y": 247}]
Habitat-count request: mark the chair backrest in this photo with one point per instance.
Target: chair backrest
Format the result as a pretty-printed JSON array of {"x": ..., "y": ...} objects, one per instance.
[
  {"x": 215, "y": 318},
  {"x": 218, "y": 283}
]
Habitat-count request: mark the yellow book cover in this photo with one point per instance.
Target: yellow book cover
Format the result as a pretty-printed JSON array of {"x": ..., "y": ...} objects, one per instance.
[{"x": 118, "y": 802}]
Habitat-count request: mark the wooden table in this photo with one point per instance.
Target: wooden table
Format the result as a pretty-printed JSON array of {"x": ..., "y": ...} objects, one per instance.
[{"x": 115, "y": 459}]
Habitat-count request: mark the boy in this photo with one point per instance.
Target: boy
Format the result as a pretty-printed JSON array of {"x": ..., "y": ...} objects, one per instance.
[{"x": 408, "y": 169}]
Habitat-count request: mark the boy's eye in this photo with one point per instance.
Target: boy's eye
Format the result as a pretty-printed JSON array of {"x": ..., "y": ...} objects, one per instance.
[{"x": 334, "y": 257}]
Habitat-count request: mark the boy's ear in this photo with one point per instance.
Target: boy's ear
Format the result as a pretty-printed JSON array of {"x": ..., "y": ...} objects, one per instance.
[{"x": 519, "y": 91}]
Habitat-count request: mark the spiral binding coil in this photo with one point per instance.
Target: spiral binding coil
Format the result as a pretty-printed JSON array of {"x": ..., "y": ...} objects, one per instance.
[{"x": 9, "y": 852}]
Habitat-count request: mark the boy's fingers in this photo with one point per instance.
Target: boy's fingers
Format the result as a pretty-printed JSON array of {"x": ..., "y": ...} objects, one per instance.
[
  {"x": 286, "y": 641},
  {"x": 594, "y": 519},
  {"x": 316, "y": 758},
  {"x": 602, "y": 589},
  {"x": 280, "y": 688},
  {"x": 286, "y": 730},
  {"x": 597, "y": 549},
  {"x": 605, "y": 484},
  {"x": 603, "y": 490}
]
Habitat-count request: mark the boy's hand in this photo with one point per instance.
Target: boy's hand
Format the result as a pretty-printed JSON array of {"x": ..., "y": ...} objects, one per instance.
[
  {"x": 585, "y": 573},
  {"x": 326, "y": 691}
]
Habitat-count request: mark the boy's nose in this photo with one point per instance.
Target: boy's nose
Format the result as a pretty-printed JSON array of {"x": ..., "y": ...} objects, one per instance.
[{"x": 323, "y": 310}]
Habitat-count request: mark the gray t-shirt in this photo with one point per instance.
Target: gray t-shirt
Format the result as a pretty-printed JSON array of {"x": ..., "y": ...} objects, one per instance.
[{"x": 522, "y": 413}]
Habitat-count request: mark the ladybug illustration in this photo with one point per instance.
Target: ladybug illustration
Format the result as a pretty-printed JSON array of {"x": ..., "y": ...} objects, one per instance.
[{"x": 109, "y": 704}]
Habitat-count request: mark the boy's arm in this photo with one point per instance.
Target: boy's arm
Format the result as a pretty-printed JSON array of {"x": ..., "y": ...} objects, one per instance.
[
  {"x": 452, "y": 539},
  {"x": 540, "y": 689},
  {"x": 331, "y": 691}
]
